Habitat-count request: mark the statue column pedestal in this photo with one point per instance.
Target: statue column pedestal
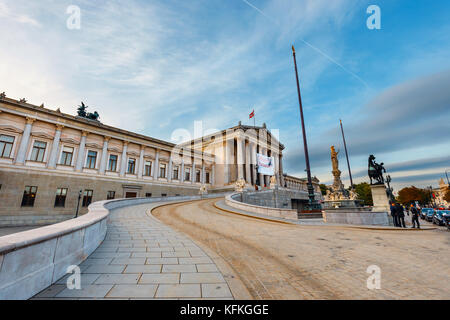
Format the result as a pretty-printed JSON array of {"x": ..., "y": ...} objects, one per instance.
[{"x": 380, "y": 198}]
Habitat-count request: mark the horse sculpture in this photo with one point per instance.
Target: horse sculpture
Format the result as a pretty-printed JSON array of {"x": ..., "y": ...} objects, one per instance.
[{"x": 376, "y": 170}]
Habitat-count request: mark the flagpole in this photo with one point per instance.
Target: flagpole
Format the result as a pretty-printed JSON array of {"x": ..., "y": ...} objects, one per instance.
[
  {"x": 346, "y": 154},
  {"x": 305, "y": 143}
]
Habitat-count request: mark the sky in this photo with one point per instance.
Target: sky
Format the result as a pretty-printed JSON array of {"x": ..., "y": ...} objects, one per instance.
[{"x": 155, "y": 67}]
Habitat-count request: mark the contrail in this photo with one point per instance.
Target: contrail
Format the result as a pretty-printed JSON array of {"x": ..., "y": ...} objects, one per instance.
[{"x": 311, "y": 46}]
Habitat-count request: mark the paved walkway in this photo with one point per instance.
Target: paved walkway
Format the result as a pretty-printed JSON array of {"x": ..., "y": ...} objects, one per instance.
[
  {"x": 288, "y": 261},
  {"x": 143, "y": 259}
]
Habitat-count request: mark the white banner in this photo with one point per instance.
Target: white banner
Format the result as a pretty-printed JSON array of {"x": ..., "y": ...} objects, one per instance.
[{"x": 266, "y": 165}]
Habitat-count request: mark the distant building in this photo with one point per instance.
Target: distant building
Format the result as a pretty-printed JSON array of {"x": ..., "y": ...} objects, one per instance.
[
  {"x": 440, "y": 193},
  {"x": 47, "y": 157}
]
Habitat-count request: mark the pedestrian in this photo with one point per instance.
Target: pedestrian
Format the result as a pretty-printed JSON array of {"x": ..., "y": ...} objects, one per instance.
[
  {"x": 394, "y": 214},
  {"x": 400, "y": 215},
  {"x": 415, "y": 216}
]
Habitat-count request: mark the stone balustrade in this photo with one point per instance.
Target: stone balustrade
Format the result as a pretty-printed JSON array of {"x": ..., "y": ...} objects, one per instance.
[{"x": 234, "y": 200}]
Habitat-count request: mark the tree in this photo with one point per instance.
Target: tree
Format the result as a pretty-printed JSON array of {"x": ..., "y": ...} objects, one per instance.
[
  {"x": 364, "y": 193},
  {"x": 323, "y": 188},
  {"x": 447, "y": 195},
  {"x": 409, "y": 195}
]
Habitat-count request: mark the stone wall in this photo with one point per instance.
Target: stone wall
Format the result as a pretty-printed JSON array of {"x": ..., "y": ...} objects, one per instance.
[
  {"x": 44, "y": 212},
  {"x": 277, "y": 198},
  {"x": 357, "y": 216},
  {"x": 234, "y": 201}
]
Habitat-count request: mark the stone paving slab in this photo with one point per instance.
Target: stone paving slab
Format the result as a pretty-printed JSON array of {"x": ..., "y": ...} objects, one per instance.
[{"x": 142, "y": 258}]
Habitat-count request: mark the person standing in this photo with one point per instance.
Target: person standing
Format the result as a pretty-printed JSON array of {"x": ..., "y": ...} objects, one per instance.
[
  {"x": 400, "y": 215},
  {"x": 415, "y": 216},
  {"x": 394, "y": 215}
]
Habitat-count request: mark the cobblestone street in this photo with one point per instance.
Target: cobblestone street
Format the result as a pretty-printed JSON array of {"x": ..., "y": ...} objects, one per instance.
[{"x": 279, "y": 261}]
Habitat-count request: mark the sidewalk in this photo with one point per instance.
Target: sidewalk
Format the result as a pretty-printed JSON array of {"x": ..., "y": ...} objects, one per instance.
[{"x": 144, "y": 259}]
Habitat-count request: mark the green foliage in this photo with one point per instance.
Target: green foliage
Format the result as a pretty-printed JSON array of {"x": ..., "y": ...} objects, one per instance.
[
  {"x": 364, "y": 193},
  {"x": 409, "y": 195},
  {"x": 323, "y": 188},
  {"x": 447, "y": 195}
]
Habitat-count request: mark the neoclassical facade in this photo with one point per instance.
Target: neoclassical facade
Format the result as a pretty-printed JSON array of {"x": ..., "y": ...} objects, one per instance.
[{"x": 51, "y": 162}]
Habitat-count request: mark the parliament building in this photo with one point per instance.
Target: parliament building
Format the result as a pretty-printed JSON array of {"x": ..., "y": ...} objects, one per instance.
[{"x": 52, "y": 162}]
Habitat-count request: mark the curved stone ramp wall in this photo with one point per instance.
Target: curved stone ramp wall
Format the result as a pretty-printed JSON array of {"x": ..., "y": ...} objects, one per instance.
[
  {"x": 233, "y": 200},
  {"x": 30, "y": 261}
]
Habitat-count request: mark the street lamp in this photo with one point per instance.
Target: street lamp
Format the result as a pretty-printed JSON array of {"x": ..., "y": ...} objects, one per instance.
[{"x": 78, "y": 202}]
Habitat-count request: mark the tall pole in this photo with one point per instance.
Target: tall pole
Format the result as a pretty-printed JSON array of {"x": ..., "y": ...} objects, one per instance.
[
  {"x": 346, "y": 155},
  {"x": 305, "y": 143}
]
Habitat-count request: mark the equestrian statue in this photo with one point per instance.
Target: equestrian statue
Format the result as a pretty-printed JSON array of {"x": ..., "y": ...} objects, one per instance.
[{"x": 376, "y": 171}]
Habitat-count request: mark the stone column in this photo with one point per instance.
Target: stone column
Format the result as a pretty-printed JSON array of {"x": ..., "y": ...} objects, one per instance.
[
  {"x": 248, "y": 161},
  {"x": 203, "y": 174},
  {"x": 261, "y": 176},
  {"x": 229, "y": 159},
  {"x": 212, "y": 174},
  {"x": 155, "y": 172},
  {"x": 80, "y": 156},
  {"x": 193, "y": 175},
  {"x": 253, "y": 160},
  {"x": 277, "y": 167},
  {"x": 240, "y": 157},
  {"x": 141, "y": 163},
  {"x": 21, "y": 154},
  {"x": 182, "y": 170},
  {"x": 281, "y": 170},
  {"x": 55, "y": 147},
  {"x": 123, "y": 162},
  {"x": 169, "y": 169},
  {"x": 104, "y": 159}
]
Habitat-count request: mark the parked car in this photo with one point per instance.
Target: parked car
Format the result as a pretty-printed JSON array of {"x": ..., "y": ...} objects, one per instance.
[
  {"x": 424, "y": 211},
  {"x": 429, "y": 216},
  {"x": 438, "y": 217},
  {"x": 446, "y": 217}
]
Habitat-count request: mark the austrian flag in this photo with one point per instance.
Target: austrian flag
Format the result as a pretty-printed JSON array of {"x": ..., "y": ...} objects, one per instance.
[{"x": 252, "y": 114}]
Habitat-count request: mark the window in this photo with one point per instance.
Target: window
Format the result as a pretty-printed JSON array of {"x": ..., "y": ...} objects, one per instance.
[
  {"x": 175, "y": 173},
  {"x": 163, "y": 194},
  {"x": 197, "y": 176},
  {"x": 60, "y": 199},
  {"x": 91, "y": 159},
  {"x": 29, "y": 195},
  {"x": 112, "y": 165},
  {"x": 187, "y": 174},
  {"x": 131, "y": 165},
  {"x": 110, "y": 195},
  {"x": 38, "y": 151},
  {"x": 66, "y": 156},
  {"x": 148, "y": 195},
  {"x": 162, "y": 170},
  {"x": 148, "y": 168},
  {"x": 207, "y": 177},
  {"x": 6, "y": 144},
  {"x": 87, "y": 197}
]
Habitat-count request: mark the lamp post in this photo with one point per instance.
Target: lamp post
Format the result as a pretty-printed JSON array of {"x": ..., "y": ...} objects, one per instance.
[
  {"x": 388, "y": 180},
  {"x": 78, "y": 202},
  {"x": 313, "y": 205}
]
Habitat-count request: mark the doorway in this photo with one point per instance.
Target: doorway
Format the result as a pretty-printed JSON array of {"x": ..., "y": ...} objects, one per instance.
[{"x": 130, "y": 194}]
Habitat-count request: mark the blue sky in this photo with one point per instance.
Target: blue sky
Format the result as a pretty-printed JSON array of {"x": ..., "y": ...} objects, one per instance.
[{"x": 155, "y": 66}]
